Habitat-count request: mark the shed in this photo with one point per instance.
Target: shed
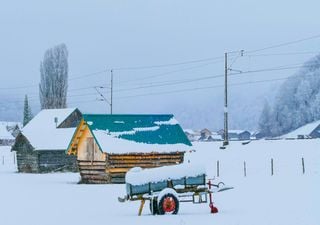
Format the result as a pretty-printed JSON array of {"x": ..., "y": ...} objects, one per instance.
[
  {"x": 41, "y": 144},
  {"x": 107, "y": 146}
]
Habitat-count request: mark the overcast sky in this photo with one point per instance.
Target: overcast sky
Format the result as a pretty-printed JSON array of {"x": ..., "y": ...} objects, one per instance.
[{"x": 104, "y": 34}]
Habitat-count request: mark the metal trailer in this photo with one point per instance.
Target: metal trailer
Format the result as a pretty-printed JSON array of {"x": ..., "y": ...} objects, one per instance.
[{"x": 165, "y": 196}]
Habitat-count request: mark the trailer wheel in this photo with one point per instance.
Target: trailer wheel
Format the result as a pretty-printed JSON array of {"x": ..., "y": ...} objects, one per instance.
[
  {"x": 168, "y": 204},
  {"x": 154, "y": 206}
]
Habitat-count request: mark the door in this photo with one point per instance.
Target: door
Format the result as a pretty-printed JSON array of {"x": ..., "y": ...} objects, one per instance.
[{"x": 90, "y": 149}]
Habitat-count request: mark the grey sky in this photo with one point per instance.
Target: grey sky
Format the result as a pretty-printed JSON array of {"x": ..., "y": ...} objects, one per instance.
[{"x": 111, "y": 34}]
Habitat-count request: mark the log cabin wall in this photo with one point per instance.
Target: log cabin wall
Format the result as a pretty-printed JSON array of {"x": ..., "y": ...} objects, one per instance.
[
  {"x": 56, "y": 160},
  {"x": 27, "y": 159},
  {"x": 31, "y": 161}
]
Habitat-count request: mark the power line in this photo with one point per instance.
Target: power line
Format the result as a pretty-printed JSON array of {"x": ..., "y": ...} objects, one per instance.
[
  {"x": 167, "y": 73},
  {"x": 285, "y": 54},
  {"x": 167, "y": 65},
  {"x": 208, "y": 87},
  {"x": 285, "y": 44}
]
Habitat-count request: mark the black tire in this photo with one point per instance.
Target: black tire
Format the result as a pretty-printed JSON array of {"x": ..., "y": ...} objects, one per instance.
[
  {"x": 154, "y": 206},
  {"x": 172, "y": 198}
]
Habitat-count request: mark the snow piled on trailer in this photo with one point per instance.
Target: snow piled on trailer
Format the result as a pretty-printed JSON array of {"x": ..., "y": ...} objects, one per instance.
[{"x": 137, "y": 176}]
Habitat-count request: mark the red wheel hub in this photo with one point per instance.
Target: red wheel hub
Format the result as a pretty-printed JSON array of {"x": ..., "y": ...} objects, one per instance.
[{"x": 169, "y": 205}]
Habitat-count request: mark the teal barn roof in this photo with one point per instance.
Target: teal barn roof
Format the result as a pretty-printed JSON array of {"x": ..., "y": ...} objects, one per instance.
[{"x": 147, "y": 129}]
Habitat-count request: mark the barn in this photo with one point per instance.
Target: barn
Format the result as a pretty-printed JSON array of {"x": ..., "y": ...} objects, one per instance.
[
  {"x": 40, "y": 146},
  {"x": 107, "y": 146}
]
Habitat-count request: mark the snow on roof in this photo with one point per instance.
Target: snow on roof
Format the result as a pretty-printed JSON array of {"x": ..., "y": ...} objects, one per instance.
[
  {"x": 42, "y": 133},
  {"x": 4, "y": 133},
  {"x": 304, "y": 130},
  {"x": 137, "y": 176},
  {"x": 236, "y": 131},
  {"x": 113, "y": 144},
  {"x": 137, "y": 133}
]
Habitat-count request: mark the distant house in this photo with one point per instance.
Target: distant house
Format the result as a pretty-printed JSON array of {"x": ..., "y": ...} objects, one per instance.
[
  {"x": 107, "y": 146},
  {"x": 236, "y": 135},
  {"x": 310, "y": 130},
  {"x": 41, "y": 144},
  {"x": 6, "y": 138},
  {"x": 205, "y": 134},
  {"x": 192, "y": 135}
]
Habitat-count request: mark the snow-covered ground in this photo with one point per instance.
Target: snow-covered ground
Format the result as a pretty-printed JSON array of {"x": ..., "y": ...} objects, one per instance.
[{"x": 287, "y": 197}]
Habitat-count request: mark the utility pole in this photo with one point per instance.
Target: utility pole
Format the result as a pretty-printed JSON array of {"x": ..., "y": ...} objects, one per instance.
[
  {"x": 111, "y": 97},
  {"x": 226, "y": 69},
  {"x": 226, "y": 138}
]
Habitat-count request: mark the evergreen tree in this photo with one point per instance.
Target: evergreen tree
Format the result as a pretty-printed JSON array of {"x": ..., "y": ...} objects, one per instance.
[
  {"x": 54, "y": 78},
  {"x": 27, "y": 114}
]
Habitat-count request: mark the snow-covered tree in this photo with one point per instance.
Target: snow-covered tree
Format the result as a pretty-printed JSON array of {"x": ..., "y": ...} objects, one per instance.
[
  {"x": 27, "y": 114},
  {"x": 54, "y": 78},
  {"x": 298, "y": 99},
  {"x": 265, "y": 120}
]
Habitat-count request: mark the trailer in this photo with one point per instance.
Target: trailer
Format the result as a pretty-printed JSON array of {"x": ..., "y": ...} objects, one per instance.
[{"x": 166, "y": 187}]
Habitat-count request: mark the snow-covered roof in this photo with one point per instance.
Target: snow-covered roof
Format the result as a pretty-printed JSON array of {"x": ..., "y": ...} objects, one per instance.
[
  {"x": 237, "y": 131},
  {"x": 137, "y": 176},
  {"x": 4, "y": 133},
  {"x": 304, "y": 130},
  {"x": 137, "y": 133},
  {"x": 42, "y": 133}
]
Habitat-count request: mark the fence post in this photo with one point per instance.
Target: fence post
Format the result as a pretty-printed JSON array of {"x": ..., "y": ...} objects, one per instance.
[
  {"x": 218, "y": 168},
  {"x": 271, "y": 166},
  {"x": 303, "y": 168},
  {"x": 244, "y": 168}
]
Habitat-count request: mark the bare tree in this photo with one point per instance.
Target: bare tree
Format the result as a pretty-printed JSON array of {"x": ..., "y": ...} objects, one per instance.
[{"x": 54, "y": 78}]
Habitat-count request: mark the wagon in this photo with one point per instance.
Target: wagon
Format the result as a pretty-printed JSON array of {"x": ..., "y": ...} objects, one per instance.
[{"x": 166, "y": 187}]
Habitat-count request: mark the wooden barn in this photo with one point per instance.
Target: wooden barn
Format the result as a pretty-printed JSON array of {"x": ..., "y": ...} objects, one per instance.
[
  {"x": 41, "y": 145},
  {"x": 107, "y": 146}
]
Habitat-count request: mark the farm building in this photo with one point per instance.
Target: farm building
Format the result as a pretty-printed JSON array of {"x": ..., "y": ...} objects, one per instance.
[
  {"x": 236, "y": 135},
  {"x": 310, "y": 130},
  {"x": 41, "y": 144},
  {"x": 107, "y": 146},
  {"x": 6, "y": 138}
]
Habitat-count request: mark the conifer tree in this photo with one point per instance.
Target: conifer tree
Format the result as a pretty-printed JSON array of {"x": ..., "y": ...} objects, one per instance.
[{"x": 27, "y": 114}]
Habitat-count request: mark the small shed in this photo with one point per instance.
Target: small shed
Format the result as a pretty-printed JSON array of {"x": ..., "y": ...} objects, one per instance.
[
  {"x": 107, "y": 146},
  {"x": 41, "y": 144}
]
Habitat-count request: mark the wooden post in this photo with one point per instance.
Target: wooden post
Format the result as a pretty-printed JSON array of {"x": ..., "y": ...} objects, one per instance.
[
  {"x": 303, "y": 168},
  {"x": 141, "y": 207},
  {"x": 244, "y": 168},
  {"x": 2, "y": 160},
  {"x": 271, "y": 166},
  {"x": 218, "y": 168}
]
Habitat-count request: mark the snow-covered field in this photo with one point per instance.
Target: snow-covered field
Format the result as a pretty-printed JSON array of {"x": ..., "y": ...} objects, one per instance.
[{"x": 287, "y": 197}]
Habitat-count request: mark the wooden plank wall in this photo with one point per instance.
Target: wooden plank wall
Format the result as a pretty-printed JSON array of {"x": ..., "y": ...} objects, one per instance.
[
  {"x": 93, "y": 172},
  {"x": 113, "y": 170}
]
